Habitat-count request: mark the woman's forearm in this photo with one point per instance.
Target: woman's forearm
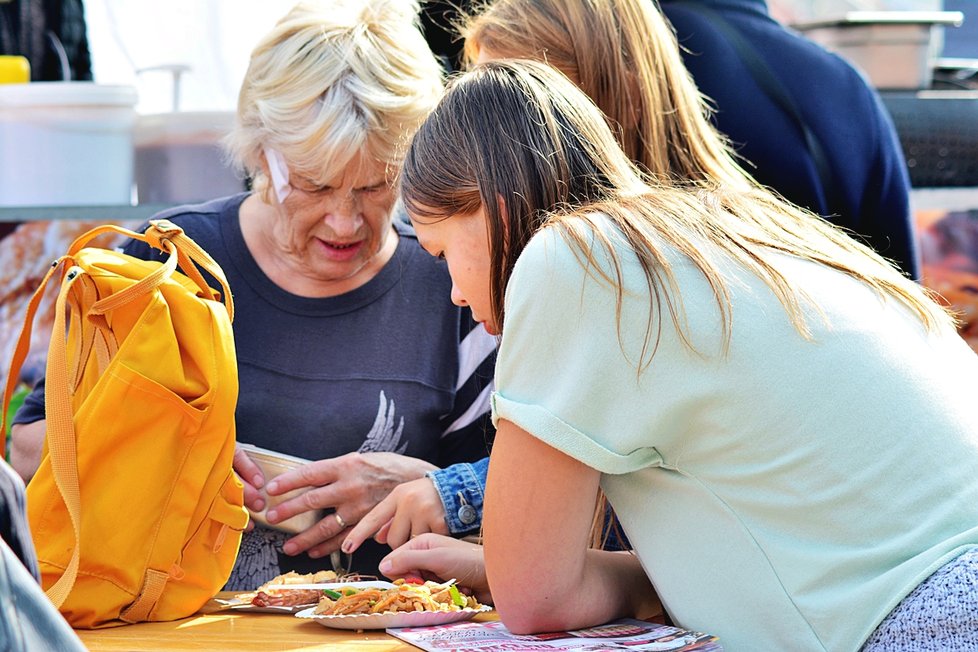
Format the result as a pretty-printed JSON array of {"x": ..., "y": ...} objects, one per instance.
[
  {"x": 26, "y": 444},
  {"x": 610, "y": 585}
]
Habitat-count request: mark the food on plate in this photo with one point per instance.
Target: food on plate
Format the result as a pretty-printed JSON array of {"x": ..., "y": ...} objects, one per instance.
[
  {"x": 321, "y": 577},
  {"x": 285, "y": 597},
  {"x": 275, "y": 592},
  {"x": 406, "y": 596}
]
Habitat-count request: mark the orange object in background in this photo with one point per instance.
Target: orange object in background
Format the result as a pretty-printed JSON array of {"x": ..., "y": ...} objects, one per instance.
[
  {"x": 949, "y": 254},
  {"x": 14, "y": 69}
]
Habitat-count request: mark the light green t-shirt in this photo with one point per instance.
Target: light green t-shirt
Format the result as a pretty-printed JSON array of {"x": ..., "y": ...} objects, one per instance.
[{"x": 783, "y": 496}]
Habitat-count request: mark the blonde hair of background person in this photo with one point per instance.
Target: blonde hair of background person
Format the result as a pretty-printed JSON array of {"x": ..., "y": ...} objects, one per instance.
[
  {"x": 380, "y": 77},
  {"x": 746, "y": 304},
  {"x": 624, "y": 56}
]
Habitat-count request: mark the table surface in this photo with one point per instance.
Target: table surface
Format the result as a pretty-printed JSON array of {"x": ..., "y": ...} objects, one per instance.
[{"x": 240, "y": 631}]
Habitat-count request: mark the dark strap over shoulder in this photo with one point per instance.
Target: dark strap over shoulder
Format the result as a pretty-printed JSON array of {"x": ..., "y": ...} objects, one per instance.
[{"x": 772, "y": 87}]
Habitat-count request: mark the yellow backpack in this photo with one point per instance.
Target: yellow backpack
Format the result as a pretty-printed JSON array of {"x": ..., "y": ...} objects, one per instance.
[{"x": 135, "y": 511}]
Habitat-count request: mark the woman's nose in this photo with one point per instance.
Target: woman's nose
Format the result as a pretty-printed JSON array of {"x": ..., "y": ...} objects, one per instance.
[
  {"x": 457, "y": 297},
  {"x": 343, "y": 216}
]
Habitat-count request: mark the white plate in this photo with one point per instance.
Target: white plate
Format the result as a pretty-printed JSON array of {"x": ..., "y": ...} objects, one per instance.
[
  {"x": 395, "y": 619},
  {"x": 337, "y": 586}
]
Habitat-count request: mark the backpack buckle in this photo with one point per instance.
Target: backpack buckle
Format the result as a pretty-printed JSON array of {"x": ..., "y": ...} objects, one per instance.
[
  {"x": 160, "y": 230},
  {"x": 166, "y": 226}
]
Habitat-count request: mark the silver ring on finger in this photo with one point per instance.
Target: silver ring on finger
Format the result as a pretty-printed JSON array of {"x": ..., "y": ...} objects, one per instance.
[{"x": 339, "y": 520}]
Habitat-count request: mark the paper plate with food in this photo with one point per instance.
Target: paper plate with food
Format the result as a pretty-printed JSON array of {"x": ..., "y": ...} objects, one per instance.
[
  {"x": 292, "y": 592},
  {"x": 405, "y": 604}
]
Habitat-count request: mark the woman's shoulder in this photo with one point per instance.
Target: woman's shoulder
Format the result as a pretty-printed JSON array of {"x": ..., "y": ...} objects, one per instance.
[
  {"x": 576, "y": 241},
  {"x": 205, "y": 216},
  {"x": 204, "y": 223}
]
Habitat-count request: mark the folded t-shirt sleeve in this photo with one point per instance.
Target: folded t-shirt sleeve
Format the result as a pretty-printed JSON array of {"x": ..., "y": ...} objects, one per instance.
[{"x": 565, "y": 372}]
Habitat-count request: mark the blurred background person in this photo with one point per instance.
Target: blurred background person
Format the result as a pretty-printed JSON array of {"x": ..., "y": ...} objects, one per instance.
[
  {"x": 806, "y": 122},
  {"x": 802, "y": 120}
]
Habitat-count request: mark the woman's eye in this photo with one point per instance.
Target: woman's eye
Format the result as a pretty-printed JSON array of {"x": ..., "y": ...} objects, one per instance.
[{"x": 311, "y": 189}]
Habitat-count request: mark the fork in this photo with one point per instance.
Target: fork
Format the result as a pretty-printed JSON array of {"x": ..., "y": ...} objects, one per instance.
[{"x": 342, "y": 562}]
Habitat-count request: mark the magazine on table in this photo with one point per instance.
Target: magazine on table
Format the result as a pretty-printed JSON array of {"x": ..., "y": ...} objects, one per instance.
[{"x": 625, "y": 634}]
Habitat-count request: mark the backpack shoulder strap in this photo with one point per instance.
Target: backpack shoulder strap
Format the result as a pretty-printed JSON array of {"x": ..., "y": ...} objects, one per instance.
[
  {"x": 21, "y": 350},
  {"x": 62, "y": 447}
]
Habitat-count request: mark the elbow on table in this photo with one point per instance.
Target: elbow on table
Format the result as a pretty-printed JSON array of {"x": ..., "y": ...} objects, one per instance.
[{"x": 521, "y": 617}]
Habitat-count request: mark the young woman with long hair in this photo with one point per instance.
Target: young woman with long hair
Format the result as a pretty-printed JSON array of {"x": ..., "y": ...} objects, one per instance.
[{"x": 781, "y": 420}]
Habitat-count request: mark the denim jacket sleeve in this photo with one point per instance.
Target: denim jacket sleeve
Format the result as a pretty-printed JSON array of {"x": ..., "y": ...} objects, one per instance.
[{"x": 461, "y": 488}]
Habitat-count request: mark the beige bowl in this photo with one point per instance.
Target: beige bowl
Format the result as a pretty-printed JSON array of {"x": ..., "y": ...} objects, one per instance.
[{"x": 272, "y": 464}]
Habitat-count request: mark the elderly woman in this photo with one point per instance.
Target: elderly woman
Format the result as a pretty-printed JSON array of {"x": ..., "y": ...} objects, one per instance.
[{"x": 349, "y": 349}]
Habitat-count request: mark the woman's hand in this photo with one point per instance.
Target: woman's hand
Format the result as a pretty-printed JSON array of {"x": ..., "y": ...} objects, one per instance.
[
  {"x": 351, "y": 485},
  {"x": 411, "y": 509},
  {"x": 253, "y": 480},
  {"x": 440, "y": 558}
]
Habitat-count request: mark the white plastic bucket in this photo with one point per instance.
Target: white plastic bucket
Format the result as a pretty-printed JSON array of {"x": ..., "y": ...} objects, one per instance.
[{"x": 66, "y": 144}]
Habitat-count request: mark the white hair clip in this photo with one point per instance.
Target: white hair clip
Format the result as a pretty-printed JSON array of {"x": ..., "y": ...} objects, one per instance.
[{"x": 280, "y": 173}]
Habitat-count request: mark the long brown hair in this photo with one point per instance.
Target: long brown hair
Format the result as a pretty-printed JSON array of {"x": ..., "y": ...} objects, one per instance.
[
  {"x": 624, "y": 55},
  {"x": 520, "y": 141},
  {"x": 516, "y": 137}
]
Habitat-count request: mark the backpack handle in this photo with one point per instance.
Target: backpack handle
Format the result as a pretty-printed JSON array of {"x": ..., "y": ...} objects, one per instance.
[{"x": 170, "y": 238}]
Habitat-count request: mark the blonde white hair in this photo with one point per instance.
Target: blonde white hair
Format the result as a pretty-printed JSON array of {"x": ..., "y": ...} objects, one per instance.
[{"x": 333, "y": 80}]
